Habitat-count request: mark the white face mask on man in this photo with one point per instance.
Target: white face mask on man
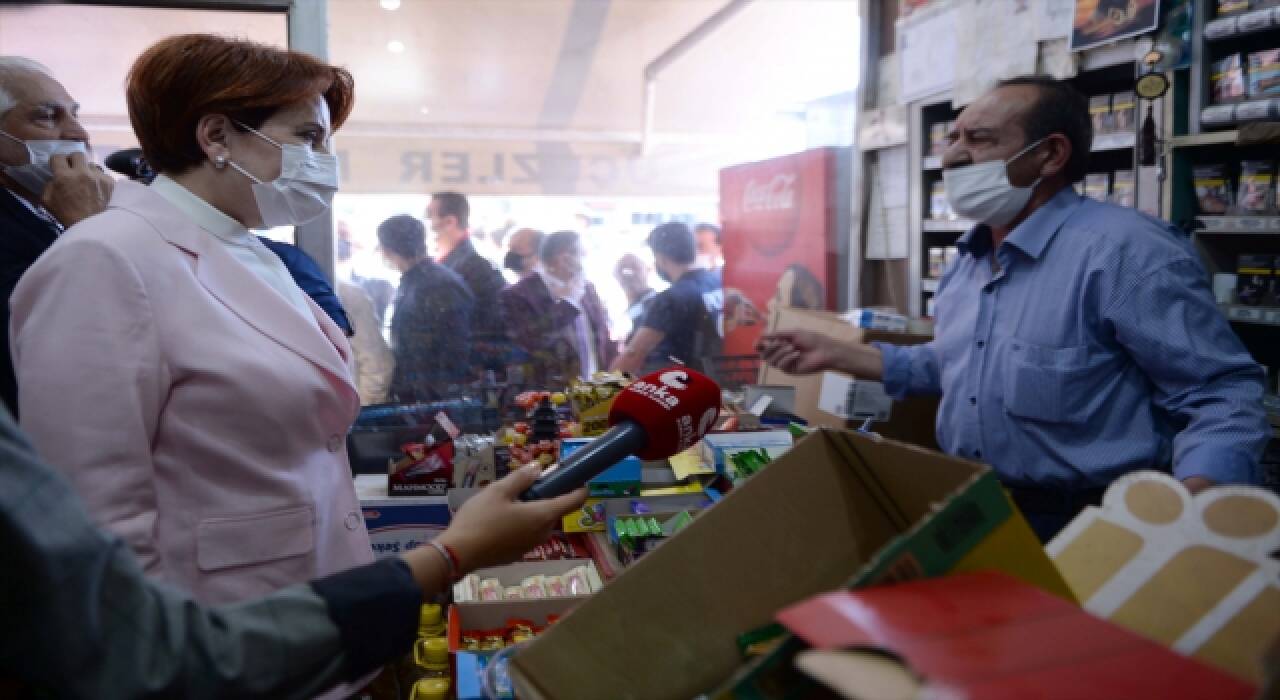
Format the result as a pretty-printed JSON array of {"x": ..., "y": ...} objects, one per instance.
[
  {"x": 982, "y": 191},
  {"x": 304, "y": 190},
  {"x": 36, "y": 174}
]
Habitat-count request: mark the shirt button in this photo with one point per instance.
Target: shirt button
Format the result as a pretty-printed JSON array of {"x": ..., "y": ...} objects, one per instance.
[
  {"x": 977, "y": 454},
  {"x": 353, "y": 520},
  {"x": 335, "y": 442},
  {"x": 973, "y": 401},
  {"x": 982, "y": 344},
  {"x": 988, "y": 290}
]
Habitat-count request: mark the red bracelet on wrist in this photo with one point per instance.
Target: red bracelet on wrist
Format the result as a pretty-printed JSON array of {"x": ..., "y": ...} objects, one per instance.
[{"x": 450, "y": 559}]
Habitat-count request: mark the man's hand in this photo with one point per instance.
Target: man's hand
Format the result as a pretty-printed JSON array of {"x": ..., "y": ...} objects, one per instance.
[
  {"x": 79, "y": 189},
  {"x": 1196, "y": 484},
  {"x": 494, "y": 528}
]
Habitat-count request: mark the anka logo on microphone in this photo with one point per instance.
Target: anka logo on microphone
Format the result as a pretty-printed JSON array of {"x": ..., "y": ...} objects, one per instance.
[{"x": 659, "y": 394}]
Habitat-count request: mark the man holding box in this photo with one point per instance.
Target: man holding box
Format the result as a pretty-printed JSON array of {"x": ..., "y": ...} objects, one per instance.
[{"x": 1076, "y": 341}]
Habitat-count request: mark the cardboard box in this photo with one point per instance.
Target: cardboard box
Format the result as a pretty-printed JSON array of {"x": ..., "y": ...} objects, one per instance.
[
  {"x": 983, "y": 635},
  {"x": 854, "y": 399},
  {"x": 715, "y": 445},
  {"x": 839, "y": 508},
  {"x": 400, "y": 523},
  {"x": 912, "y": 420},
  {"x": 1195, "y": 573}
]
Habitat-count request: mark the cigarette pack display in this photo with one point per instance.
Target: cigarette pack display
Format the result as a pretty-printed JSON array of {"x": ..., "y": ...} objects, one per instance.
[
  {"x": 1100, "y": 113},
  {"x": 1232, "y": 7},
  {"x": 937, "y": 262},
  {"x": 939, "y": 207},
  {"x": 1227, "y": 79},
  {"x": 1255, "y": 277},
  {"x": 1213, "y": 189},
  {"x": 1123, "y": 111},
  {"x": 938, "y": 138},
  {"x": 1122, "y": 191},
  {"x": 1264, "y": 73},
  {"x": 1097, "y": 186},
  {"x": 1257, "y": 178}
]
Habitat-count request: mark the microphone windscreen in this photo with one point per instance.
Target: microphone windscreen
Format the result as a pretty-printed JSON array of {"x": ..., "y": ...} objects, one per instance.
[
  {"x": 675, "y": 407},
  {"x": 128, "y": 162}
]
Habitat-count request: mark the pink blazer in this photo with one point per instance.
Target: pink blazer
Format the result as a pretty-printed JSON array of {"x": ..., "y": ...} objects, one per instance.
[{"x": 195, "y": 411}]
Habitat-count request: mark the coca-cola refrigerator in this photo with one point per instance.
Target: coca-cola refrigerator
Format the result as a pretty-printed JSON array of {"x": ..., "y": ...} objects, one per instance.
[{"x": 785, "y": 239}]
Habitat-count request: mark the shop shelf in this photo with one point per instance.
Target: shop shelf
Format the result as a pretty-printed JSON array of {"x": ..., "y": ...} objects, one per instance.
[
  {"x": 1262, "y": 315},
  {"x": 933, "y": 163},
  {"x": 929, "y": 285},
  {"x": 1247, "y": 23},
  {"x": 1208, "y": 138},
  {"x": 1114, "y": 142},
  {"x": 1239, "y": 224},
  {"x": 1249, "y": 111},
  {"x": 945, "y": 226}
]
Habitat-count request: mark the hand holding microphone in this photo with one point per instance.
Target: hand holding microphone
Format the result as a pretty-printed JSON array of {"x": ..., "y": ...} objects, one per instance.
[{"x": 657, "y": 416}]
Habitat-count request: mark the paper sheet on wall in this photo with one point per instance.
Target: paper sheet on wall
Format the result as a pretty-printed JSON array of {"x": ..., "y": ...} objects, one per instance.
[
  {"x": 1053, "y": 18},
  {"x": 983, "y": 56},
  {"x": 1057, "y": 59},
  {"x": 887, "y": 235},
  {"x": 927, "y": 50}
]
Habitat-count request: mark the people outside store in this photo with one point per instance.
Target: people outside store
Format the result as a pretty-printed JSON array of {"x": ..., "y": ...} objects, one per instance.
[
  {"x": 1076, "y": 340},
  {"x": 431, "y": 320},
  {"x": 47, "y": 182},
  {"x": 632, "y": 274},
  {"x": 556, "y": 317},
  {"x": 682, "y": 322},
  {"x": 522, "y": 252},
  {"x": 710, "y": 247},
  {"x": 449, "y": 214}
]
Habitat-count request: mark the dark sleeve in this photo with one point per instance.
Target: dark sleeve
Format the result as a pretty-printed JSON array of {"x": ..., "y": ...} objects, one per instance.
[
  {"x": 310, "y": 279},
  {"x": 376, "y": 610},
  {"x": 532, "y": 330}
]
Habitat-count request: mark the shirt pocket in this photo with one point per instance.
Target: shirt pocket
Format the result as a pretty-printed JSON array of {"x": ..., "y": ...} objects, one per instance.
[
  {"x": 1047, "y": 384},
  {"x": 256, "y": 538}
]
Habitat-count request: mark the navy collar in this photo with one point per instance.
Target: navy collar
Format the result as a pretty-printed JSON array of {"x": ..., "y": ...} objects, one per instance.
[{"x": 1031, "y": 236}]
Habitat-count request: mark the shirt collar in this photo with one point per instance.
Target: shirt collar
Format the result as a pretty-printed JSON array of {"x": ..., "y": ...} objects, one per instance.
[
  {"x": 462, "y": 250},
  {"x": 1031, "y": 236},
  {"x": 204, "y": 214}
]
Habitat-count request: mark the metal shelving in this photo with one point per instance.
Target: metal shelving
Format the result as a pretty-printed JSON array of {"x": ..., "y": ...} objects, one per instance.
[
  {"x": 1262, "y": 315},
  {"x": 1239, "y": 224}
]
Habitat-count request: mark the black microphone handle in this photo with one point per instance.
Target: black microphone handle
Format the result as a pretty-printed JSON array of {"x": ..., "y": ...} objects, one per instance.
[{"x": 586, "y": 463}]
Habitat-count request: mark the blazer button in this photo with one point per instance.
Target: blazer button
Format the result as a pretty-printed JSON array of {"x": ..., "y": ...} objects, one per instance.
[
  {"x": 353, "y": 520},
  {"x": 335, "y": 442}
]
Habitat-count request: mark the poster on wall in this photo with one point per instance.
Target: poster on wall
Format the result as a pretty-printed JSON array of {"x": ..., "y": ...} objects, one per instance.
[
  {"x": 779, "y": 219},
  {"x": 1100, "y": 22}
]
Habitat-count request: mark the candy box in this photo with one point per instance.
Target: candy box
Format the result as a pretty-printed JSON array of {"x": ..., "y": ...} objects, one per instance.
[
  {"x": 470, "y": 613},
  {"x": 424, "y": 470},
  {"x": 622, "y": 479},
  {"x": 399, "y": 524}
]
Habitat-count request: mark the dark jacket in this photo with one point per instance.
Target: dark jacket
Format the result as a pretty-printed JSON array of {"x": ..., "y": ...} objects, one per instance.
[
  {"x": 536, "y": 323},
  {"x": 23, "y": 237},
  {"x": 489, "y": 346},
  {"x": 430, "y": 334},
  {"x": 310, "y": 279}
]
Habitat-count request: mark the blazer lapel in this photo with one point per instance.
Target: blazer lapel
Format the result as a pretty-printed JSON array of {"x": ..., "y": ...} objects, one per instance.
[{"x": 238, "y": 288}]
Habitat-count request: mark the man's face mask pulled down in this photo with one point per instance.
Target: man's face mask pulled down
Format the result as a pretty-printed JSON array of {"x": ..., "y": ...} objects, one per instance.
[{"x": 36, "y": 174}]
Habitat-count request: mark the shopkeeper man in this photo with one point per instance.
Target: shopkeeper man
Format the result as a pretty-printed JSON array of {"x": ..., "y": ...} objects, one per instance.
[{"x": 1075, "y": 340}]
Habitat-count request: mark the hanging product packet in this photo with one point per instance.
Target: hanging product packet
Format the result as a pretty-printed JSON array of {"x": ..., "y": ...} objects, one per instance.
[
  {"x": 1264, "y": 73},
  {"x": 1100, "y": 114},
  {"x": 1257, "y": 179},
  {"x": 1122, "y": 188},
  {"x": 1227, "y": 79},
  {"x": 1124, "y": 111},
  {"x": 1213, "y": 190},
  {"x": 1097, "y": 186}
]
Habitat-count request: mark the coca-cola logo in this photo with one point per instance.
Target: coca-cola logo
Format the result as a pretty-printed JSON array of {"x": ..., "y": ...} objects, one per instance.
[{"x": 777, "y": 194}]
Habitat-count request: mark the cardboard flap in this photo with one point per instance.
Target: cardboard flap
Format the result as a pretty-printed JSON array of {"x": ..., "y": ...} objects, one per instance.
[{"x": 1191, "y": 572}]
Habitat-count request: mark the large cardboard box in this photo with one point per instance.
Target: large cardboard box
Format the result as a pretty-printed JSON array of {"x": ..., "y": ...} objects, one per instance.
[
  {"x": 840, "y": 508},
  {"x": 912, "y": 420},
  {"x": 1196, "y": 573}
]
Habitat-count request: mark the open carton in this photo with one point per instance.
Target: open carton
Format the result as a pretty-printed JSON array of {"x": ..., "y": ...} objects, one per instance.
[
  {"x": 478, "y": 615},
  {"x": 912, "y": 420},
  {"x": 1192, "y": 572},
  {"x": 838, "y": 509},
  {"x": 985, "y": 635}
]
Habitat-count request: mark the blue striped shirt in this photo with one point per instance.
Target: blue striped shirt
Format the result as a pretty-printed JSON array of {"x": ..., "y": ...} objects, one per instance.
[{"x": 1097, "y": 349}]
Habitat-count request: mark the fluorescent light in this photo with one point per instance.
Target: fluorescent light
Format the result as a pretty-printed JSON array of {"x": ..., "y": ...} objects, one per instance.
[
  {"x": 395, "y": 46},
  {"x": 424, "y": 110},
  {"x": 389, "y": 4}
]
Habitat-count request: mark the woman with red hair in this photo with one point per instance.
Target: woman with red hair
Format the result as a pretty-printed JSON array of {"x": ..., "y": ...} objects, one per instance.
[{"x": 197, "y": 400}]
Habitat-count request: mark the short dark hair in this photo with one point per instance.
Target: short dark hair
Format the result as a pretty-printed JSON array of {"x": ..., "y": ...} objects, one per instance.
[
  {"x": 1059, "y": 109},
  {"x": 675, "y": 241},
  {"x": 403, "y": 235},
  {"x": 453, "y": 204},
  {"x": 557, "y": 243},
  {"x": 708, "y": 227}
]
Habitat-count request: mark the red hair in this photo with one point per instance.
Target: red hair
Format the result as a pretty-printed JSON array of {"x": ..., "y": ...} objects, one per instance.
[{"x": 183, "y": 78}]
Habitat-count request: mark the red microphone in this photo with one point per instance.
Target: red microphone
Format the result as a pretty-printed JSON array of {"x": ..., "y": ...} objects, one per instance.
[{"x": 658, "y": 415}]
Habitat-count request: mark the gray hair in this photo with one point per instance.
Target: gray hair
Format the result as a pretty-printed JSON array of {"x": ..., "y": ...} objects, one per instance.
[{"x": 12, "y": 68}]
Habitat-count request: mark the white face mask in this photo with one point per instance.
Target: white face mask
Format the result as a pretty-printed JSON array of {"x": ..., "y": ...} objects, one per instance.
[
  {"x": 36, "y": 174},
  {"x": 982, "y": 191},
  {"x": 304, "y": 190}
]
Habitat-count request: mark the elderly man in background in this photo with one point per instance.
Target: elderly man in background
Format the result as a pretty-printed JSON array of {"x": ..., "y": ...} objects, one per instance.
[
  {"x": 522, "y": 252},
  {"x": 47, "y": 182}
]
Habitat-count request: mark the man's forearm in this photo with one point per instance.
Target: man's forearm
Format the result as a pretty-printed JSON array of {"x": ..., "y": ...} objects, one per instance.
[{"x": 860, "y": 360}]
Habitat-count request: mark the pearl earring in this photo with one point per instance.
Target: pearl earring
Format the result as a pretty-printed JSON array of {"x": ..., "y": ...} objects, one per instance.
[{"x": 220, "y": 162}]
